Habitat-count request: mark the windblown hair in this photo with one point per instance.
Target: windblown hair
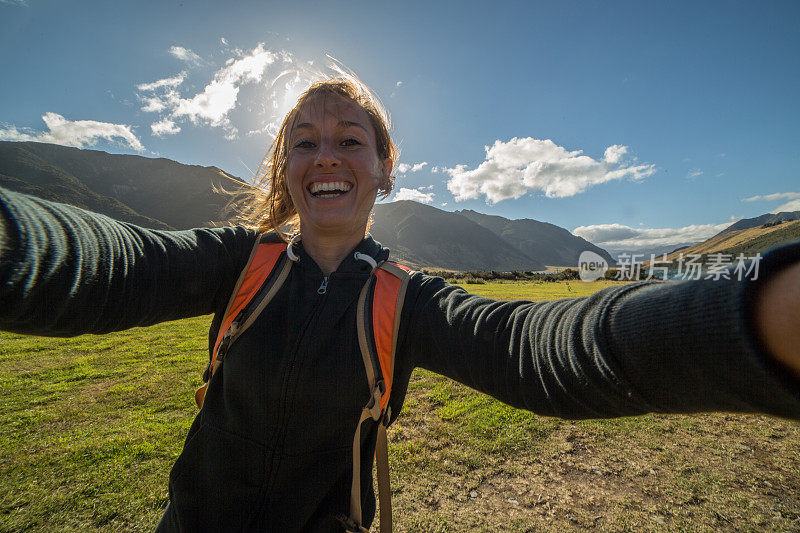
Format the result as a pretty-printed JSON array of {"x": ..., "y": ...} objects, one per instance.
[{"x": 268, "y": 206}]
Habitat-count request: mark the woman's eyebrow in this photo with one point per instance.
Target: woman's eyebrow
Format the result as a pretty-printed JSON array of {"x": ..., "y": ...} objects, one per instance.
[
  {"x": 348, "y": 123},
  {"x": 342, "y": 124}
]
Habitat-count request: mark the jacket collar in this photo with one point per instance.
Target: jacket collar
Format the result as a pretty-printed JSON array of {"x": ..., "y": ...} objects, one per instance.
[{"x": 350, "y": 265}]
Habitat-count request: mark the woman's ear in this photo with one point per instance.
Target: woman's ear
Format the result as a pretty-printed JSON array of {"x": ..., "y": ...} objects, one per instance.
[
  {"x": 386, "y": 179},
  {"x": 387, "y": 167}
]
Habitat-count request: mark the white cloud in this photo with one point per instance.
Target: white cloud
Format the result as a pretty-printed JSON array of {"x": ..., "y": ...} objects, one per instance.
[
  {"x": 275, "y": 74},
  {"x": 614, "y": 154},
  {"x": 414, "y": 194},
  {"x": 521, "y": 165},
  {"x": 792, "y": 205},
  {"x": 164, "y": 97},
  {"x": 153, "y": 104},
  {"x": 163, "y": 127},
  {"x": 402, "y": 168},
  {"x": 219, "y": 96},
  {"x": 186, "y": 55},
  {"x": 78, "y": 133},
  {"x": 694, "y": 173},
  {"x": 443, "y": 204},
  {"x": 165, "y": 82},
  {"x": 773, "y": 197},
  {"x": 213, "y": 104},
  {"x": 223, "y": 40},
  {"x": 625, "y": 238}
]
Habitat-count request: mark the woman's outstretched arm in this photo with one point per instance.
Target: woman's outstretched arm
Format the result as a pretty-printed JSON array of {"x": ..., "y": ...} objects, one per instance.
[
  {"x": 66, "y": 271},
  {"x": 644, "y": 347}
]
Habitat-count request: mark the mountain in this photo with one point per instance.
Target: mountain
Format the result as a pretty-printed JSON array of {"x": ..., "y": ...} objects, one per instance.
[
  {"x": 769, "y": 218},
  {"x": 783, "y": 233},
  {"x": 164, "y": 194},
  {"x": 23, "y": 171},
  {"x": 749, "y": 240},
  {"x": 547, "y": 243},
  {"x": 421, "y": 235},
  {"x": 175, "y": 195}
]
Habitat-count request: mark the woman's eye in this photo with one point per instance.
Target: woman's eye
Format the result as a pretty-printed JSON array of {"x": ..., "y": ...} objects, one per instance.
[
  {"x": 350, "y": 142},
  {"x": 304, "y": 144}
]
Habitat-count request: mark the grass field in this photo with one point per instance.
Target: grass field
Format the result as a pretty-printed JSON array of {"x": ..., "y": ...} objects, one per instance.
[{"x": 90, "y": 426}]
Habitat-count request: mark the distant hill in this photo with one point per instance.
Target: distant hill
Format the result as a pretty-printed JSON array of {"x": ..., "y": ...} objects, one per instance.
[
  {"x": 769, "y": 218},
  {"x": 164, "y": 194},
  {"x": 748, "y": 241},
  {"x": 23, "y": 171},
  {"x": 421, "y": 235},
  {"x": 548, "y": 243},
  {"x": 175, "y": 195},
  {"x": 783, "y": 233}
]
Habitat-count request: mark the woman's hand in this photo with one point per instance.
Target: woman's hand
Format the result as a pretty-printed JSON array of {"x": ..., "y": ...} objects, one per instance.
[{"x": 777, "y": 315}]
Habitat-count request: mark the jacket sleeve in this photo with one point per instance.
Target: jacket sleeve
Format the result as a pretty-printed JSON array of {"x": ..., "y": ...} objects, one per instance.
[
  {"x": 675, "y": 347},
  {"x": 65, "y": 271}
]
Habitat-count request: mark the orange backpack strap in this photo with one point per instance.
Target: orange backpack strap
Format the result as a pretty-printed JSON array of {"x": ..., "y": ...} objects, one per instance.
[
  {"x": 254, "y": 289},
  {"x": 379, "y": 308}
]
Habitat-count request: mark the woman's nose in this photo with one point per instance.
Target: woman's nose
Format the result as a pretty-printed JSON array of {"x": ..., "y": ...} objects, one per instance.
[{"x": 326, "y": 157}]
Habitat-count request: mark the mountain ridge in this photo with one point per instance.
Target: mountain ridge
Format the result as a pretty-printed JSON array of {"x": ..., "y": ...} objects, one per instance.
[
  {"x": 767, "y": 218},
  {"x": 421, "y": 235},
  {"x": 180, "y": 196},
  {"x": 24, "y": 171},
  {"x": 750, "y": 240},
  {"x": 163, "y": 194},
  {"x": 551, "y": 244}
]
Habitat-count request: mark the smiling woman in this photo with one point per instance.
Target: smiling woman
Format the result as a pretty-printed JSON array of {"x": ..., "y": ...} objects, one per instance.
[
  {"x": 315, "y": 334},
  {"x": 332, "y": 157}
]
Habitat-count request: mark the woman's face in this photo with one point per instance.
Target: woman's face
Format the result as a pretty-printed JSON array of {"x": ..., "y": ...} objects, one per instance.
[{"x": 333, "y": 170}]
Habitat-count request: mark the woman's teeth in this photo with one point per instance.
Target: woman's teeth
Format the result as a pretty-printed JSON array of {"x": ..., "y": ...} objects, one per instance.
[{"x": 329, "y": 189}]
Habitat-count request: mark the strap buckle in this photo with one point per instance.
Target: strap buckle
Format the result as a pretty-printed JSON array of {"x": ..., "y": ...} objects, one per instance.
[{"x": 374, "y": 404}]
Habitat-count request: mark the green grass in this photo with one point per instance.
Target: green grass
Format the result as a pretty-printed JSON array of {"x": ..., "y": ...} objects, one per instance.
[
  {"x": 537, "y": 290},
  {"x": 90, "y": 426}
]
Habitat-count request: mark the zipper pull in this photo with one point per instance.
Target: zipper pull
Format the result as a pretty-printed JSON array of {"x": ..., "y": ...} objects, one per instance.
[{"x": 324, "y": 287}]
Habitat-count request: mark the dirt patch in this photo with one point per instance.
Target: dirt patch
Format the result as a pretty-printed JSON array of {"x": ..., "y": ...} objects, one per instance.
[{"x": 716, "y": 471}]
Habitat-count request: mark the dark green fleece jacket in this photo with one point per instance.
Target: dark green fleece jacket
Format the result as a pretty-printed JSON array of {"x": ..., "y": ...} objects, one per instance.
[{"x": 271, "y": 449}]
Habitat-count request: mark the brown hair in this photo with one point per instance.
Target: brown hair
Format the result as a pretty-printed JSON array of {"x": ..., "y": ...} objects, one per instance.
[{"x": 268, "y": 206}]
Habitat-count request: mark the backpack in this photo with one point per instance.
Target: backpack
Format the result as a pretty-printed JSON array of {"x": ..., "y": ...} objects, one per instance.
[{"x": 378, "y": 320}]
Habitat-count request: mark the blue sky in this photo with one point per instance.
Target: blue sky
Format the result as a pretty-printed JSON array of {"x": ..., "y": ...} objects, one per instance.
[{"x": 639, "y": 125}]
